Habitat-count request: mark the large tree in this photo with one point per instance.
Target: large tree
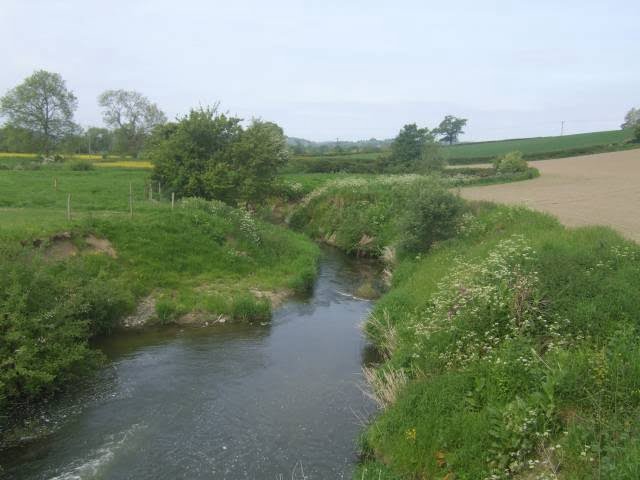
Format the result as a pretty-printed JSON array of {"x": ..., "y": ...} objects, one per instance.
[
  {"x": 132, "y": 116},
  {"x": 451, "y": 128},
  {"x": 631, "y": 119},
  {"x": 43, "y": 106},
  {"x": 208, "y": 154},
  {"x": 408, "y": 149}
]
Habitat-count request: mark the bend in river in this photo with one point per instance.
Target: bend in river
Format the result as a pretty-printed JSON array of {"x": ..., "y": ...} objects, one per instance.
[{"x": 282, "y": 400}]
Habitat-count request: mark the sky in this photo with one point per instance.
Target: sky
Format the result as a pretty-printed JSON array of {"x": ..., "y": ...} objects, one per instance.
[{"x": 350, "y": 69}]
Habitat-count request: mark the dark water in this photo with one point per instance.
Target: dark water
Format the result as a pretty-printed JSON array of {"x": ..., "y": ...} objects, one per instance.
[{"x": 274, "y": 401}]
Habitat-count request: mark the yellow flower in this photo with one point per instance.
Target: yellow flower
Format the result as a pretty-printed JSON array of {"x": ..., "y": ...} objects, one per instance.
[{"x": 410, "y": 434}]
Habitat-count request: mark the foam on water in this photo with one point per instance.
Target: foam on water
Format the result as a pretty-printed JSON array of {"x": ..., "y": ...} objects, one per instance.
[{"x": 93, "y": 464}]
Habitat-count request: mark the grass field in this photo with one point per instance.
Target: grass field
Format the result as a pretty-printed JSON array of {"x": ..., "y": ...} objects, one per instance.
[
  {"x": 477, "y": 152},
  {"x": 538, "y": 147}
]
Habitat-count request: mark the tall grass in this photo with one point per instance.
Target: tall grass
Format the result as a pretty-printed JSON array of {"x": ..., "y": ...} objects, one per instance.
[{"x": 519, "y": 341}]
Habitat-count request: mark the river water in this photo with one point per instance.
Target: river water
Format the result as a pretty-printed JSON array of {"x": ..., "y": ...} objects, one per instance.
[{"x": 277, "y": 401}]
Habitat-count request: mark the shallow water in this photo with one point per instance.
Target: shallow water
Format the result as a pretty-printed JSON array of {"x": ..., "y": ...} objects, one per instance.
[{"x": 282, "y": 400}]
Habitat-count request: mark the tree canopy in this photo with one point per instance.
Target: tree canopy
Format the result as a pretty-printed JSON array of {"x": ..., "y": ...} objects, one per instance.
[
  {"x": 414, "y": 150},
  {"x": 132, "y": 116},
  {"x": 631, "y": 119},
  {"x": 210, "y": 155},
  {"x": 42, "y": 107},
  {"x": 451, "y": 128}
]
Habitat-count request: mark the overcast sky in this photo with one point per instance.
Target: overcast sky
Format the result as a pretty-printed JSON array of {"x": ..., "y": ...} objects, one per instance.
[{"x": 346, "y": 69}]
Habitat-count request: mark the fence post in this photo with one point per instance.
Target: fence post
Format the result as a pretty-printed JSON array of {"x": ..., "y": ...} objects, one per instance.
[
  {"x": 159, "y": 190},
  {"x": 173, "y": 199},
  {"x": 150, "y": 191},
  {"x": 69, "y": 206},
  {"x": 55, "y": 183}
]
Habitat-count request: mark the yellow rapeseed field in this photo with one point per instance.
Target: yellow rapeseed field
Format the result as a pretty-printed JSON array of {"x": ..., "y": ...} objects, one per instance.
[{"x": 125, "y": 164}]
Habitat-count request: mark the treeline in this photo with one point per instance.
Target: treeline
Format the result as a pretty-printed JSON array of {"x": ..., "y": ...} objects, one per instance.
[
  {"x": 414, "y": 150},
  {"x": 39, "y": 118}
]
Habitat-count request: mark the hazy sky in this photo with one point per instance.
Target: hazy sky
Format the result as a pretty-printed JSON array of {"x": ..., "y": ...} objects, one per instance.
[{"x": 347, "y": 69}]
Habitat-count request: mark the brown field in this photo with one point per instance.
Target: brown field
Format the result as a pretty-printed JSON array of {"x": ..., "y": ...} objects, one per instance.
[{"x": 601, "y": 189}]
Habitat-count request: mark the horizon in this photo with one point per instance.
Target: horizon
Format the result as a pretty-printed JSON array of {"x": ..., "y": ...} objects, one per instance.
[{"x": 317, "y": 70}]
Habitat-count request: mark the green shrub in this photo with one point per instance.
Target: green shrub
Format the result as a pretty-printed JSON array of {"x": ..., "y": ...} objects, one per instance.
[
  {"x": 636, "y": 133},
  {"x": 48, "y": 313},
  {"x": 512, "y": 162},
  {"x": 80, "y": 165},
  {"x": 431, "y": 214}
]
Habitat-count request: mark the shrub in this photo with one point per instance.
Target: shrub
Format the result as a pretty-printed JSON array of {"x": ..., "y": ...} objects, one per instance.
[
  {"x": 512, "y": 162},
  {"x": 636, "y": 133},
  {"x": 81, "y": 165},
  {"x": 431, "y": 214}
]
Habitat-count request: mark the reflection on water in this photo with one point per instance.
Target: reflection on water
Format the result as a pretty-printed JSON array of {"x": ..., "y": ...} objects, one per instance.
[{"x": 230, "y": 401}]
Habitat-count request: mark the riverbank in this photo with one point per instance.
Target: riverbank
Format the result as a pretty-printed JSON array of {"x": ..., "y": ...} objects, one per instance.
[
  {"x": 70, "y": 280},
  {"x": 233, "y": 401},
  {"x": 510, "y": 345}
]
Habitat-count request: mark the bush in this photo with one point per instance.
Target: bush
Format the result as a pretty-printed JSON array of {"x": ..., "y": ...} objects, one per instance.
[
  {"x": 636, "y": 133},
  {"x": 431, "y": 215},
  {"x": 81, "y": 165},
  {"x": 48, "y": 315},
  {"x": 512, "y": 162}
]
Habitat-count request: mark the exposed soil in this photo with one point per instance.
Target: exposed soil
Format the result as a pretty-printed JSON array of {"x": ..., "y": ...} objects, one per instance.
[
  {"x": 145, "y": 311},
  {"x": 100, "y": 245},
  {"x": 602, "y": 189},
  {"x": 60, "y": 246}
]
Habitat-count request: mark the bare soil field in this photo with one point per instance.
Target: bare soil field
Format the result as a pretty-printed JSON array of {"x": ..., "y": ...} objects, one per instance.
[{"x": 601, "y": 189}]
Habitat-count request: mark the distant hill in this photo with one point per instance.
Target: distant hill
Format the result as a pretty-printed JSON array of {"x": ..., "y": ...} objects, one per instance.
[{"x": 539, "y": 147}]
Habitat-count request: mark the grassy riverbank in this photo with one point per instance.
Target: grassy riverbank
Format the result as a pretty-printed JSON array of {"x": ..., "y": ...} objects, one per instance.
[
  {"x": 511, "y": 345},
  {"x": 70, "y": 280}
]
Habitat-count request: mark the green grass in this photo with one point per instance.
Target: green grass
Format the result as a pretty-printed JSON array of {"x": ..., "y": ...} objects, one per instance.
[
  {"x": 519, "y": 342},
  {"x": 538, "y": 147},
  {"x": 364, "y": 215},
  {"x": 202, "y": 257}
]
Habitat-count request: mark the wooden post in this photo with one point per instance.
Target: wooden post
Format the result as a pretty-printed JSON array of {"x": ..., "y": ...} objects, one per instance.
[
  {"x": 55, "y": 183},
  {"x": 150, "y": 192},
  {"x": 173, "y": 199},
  {"x": 159, "y": 190},
  {"x": 69, "y": 206},
  {"x": 130, "y": 200}
]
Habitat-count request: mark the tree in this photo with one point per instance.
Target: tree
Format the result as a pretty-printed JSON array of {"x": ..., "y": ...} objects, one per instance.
[
  {"x": 407, "y": 148},
  {"x": 451, "y": 128},
  {"x": 98, "y": 140},
  {"x": 208, "y": 154},
  {"x": 631, "y": 119},
  {"x": 256, "y": 158},
  {"x": 42, "y": 105},
  {"x": 132, "y": 116}
]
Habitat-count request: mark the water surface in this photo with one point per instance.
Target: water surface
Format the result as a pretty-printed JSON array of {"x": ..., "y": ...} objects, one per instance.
[{"x": 282, "y": 400}]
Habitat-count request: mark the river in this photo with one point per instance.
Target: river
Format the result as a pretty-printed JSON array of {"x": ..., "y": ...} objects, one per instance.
[{"x": 283, "y": 400}]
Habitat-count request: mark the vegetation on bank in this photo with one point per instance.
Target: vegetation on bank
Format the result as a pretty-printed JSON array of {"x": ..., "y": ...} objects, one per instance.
[
  {"x": 510, "y": 343},
  {"x": 200, "y": 261}
]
